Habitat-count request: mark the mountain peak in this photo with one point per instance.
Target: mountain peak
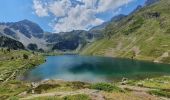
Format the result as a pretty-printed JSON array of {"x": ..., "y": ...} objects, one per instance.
[
  {"x": 26, "y": 21},
  {"x": 28, "y": 28},
  {"x": 150, "y": 2},
  {"x": 118, "y": 17}
]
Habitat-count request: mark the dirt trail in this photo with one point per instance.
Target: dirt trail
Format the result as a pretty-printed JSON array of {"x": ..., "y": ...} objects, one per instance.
[
  {"x": 94, "y": 94},
  {"x": 164, "y": 55},
  {"x": 111, "y": 52},
  {"x": 12, "y": 75},
  {"x": 135, "y": 88},
  {"x": 142, "y": 92}
]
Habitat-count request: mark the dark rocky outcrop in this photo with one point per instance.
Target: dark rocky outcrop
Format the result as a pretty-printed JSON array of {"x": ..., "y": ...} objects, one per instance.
[
  {"x": 32, "y": 47},
  {"x": 10, "y": 43},
  {"x": 66, "y": 45},
  {"x": 8, "y": 31}
]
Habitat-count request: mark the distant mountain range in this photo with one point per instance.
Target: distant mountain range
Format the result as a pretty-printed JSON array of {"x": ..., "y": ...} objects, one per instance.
[
  {"x": 28, "y": 32},
  {"x": 31, "y": 34}
]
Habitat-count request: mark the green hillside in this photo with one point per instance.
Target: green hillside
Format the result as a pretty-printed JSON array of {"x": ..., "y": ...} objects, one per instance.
[
  {"x": 144, "y": 35},
  {"x": 14, "y": 63}
]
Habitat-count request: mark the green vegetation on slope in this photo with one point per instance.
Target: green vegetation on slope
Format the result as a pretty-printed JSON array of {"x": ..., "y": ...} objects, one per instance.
[
  {"x": 12, "y": 88},
  {"x": 15, "y": 62},
  {"x": 162, "y": 93},
  {"x": 105, "y": 87},
  {"x": 71, "y": 97},
  {"x": 160, "y": 86},
  {"x": 144, "y": 35}
]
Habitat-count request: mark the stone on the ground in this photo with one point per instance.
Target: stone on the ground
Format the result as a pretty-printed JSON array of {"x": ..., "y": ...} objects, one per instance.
[
  {"x": 140, "y": 84},
  {"x": 23, "y": 93},
  {"x": 32, "y": 91},
  {"x": 1, "y": 79},
  {"x": 124, "y": 81}
]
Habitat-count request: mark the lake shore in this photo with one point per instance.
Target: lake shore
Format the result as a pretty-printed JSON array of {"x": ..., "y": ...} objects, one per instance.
[
  {"x": 14, "y": 89},
  {"x": 148, "y": 89}
]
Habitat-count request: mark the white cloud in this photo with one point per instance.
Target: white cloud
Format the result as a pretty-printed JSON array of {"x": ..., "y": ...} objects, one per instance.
[
  {"x": 79, "y": 18},
  {"x": 76, "y": 17},
  {"x": 39, "y": 9},
  {"x": 60, "y": 8}
]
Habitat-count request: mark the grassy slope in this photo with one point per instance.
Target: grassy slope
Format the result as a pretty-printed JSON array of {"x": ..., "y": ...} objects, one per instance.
[
  {"x": 160, "y": 85},
  {"x": 13, "y": 61},
  {"x": 12, "y": 64},
  {"x": 141, "y": 33}
]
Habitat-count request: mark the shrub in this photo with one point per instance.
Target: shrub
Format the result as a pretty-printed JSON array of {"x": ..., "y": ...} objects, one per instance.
[
  {"x": 13, "y": 98},
  {"x": 12, "y": 58},
  {"x": 160, "y": 93},
  {"x": 25, "y": 56},
  {"x": 47, "y": 98},
  {"x": 77, "y": 97},
  {"x": 45, "y": 87},
  {"x": 33, "y": 47},
  {"x": 134, "y": 26},
  {"x": 78, "y": 85},
  {"x": 166, "y": 60},
  {"x": 8, "y": 49},
  {"x": 106, "y": 87},
  {"x": 168, "y": 31}
]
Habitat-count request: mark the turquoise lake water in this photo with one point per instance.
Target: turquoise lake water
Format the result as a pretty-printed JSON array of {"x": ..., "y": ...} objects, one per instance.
[{"x": 94, "y": 69}]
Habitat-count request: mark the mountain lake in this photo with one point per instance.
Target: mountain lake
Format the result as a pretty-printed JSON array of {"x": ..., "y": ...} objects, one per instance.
[{"x": 94, "y": 69}]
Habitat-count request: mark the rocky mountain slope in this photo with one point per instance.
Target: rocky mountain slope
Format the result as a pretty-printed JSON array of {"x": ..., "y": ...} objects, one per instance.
[
  {"x": 143, "y": 35},
  {"x": 28, "y": 28},
  {"x": 28, "y": 33},
  {"x": 103, "y": 26},
  {"x": 24, "y": 31},
  {"x": 70, "y": 40}
]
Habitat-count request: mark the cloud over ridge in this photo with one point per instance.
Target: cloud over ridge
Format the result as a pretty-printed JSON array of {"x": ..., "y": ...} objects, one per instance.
[{"x": 75, "y": 14}]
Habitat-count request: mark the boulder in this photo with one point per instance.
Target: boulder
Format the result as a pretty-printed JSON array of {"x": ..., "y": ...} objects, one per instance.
[
  {"x": 1, "y": 79},
  {"x": 140, "y": 84}
]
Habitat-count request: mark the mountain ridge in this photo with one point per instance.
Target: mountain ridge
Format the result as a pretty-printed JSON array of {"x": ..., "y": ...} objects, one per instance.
[
  {"x": 143, "y": 35},
  {"x": 29, "y": 32}
]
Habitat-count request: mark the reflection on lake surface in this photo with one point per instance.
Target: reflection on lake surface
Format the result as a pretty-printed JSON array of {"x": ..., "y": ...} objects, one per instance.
[{"x": 94, "y": 69}]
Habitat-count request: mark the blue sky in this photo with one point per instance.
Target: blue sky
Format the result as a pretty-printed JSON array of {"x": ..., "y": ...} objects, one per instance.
[{"x": 76, "y": 14}]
